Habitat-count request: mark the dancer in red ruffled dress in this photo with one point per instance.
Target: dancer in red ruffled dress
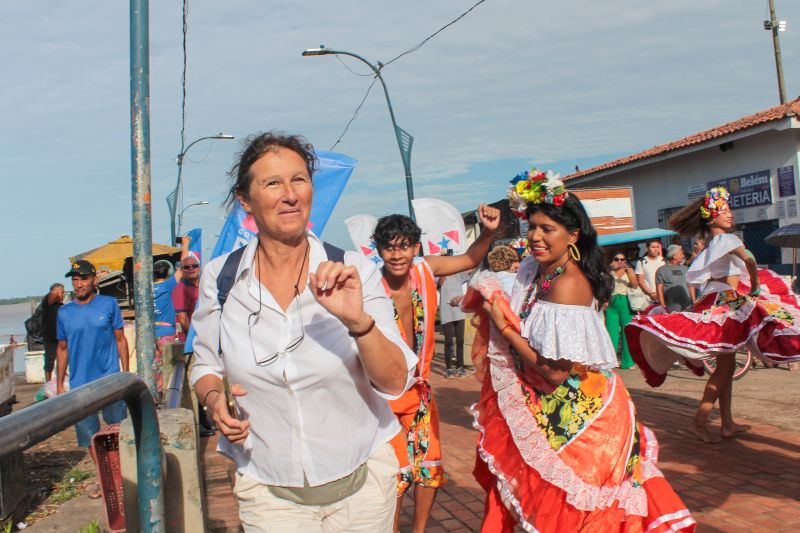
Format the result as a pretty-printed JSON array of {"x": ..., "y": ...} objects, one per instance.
[
  {"x": 740, "y": 307},
  {"x": 560, "y": 449}
]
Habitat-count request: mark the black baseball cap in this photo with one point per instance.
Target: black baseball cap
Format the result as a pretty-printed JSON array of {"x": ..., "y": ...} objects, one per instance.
[{"x": 81, "y": 267}]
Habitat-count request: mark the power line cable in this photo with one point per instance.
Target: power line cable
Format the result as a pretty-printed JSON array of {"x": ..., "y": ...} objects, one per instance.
[
  {"x": 434, "y": 34},
  {"x": 355, "y": 113},
  {"x": 351, "y": 70},
  {"x": 381, "y": 66},
  {"x": 208, "y": 152}
]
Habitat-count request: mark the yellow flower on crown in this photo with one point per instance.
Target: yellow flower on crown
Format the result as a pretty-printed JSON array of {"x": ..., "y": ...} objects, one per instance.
[
  {"x": 535, "y": 187},
  {"x": 712, "y": 203}
]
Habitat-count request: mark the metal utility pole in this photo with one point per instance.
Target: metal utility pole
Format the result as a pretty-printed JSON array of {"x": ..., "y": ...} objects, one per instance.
[
  {"x": 775, "y": 25},
  {"x": 140, "y": 191}
]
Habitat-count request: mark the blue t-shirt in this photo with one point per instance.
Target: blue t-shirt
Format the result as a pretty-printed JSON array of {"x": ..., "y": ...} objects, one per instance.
[
  {"x": 164, "y": 310},
  {"x": 91, "y": 342}
]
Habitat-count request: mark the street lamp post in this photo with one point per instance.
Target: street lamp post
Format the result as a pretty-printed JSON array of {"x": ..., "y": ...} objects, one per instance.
[
  {"x": 172, "y": 198},
  {"x": 404, "y": 139},
  {"x": 180, "y": 215}
]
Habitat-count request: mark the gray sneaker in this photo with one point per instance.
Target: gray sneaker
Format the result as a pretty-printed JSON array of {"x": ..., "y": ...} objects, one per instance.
[
  {"x": 450, "y": 373},
  {"x": 461, "y": 372}
]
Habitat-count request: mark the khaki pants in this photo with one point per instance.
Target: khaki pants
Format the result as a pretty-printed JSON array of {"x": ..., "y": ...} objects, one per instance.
[{"x": 371, "y": 509}]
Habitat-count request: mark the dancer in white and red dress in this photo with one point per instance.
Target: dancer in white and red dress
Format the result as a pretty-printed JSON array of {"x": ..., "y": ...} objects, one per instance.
[
  {"x": 740, "y": 307},
  {"x": 560, "y": 447}
]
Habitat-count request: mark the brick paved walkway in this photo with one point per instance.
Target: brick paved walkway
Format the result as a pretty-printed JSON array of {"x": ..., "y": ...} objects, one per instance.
[{"x": 740, "y": 485}]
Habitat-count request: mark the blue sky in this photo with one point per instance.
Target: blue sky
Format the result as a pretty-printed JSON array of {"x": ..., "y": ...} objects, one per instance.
[{"x": 514, "y": 82}]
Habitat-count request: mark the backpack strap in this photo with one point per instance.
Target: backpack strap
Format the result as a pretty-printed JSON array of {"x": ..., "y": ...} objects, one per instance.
[
  {"x": 334, "y": 253},
  {"x": 227, "y": 276}
]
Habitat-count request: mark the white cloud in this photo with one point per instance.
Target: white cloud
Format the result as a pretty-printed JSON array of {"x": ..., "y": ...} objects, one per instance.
[{"x": 512, "y": 80}]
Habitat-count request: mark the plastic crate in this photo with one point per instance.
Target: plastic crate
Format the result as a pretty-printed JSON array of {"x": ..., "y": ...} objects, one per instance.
[{"x": 106, "y": 451}]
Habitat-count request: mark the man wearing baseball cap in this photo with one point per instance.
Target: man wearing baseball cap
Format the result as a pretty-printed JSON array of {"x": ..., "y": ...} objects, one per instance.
[{"x": 92, "y": 342}]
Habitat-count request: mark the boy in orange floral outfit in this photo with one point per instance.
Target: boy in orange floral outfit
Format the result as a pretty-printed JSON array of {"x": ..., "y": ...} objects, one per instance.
[{"x": 410, "y": 281}]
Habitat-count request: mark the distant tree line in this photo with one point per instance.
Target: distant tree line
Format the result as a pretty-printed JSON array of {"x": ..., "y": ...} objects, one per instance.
[{"x": 21, "y": 299}]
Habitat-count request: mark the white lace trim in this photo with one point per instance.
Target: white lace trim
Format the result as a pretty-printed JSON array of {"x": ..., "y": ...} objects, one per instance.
[
  {"x": 530, "y": 441},
  {"x": 503, "y": 484},
  {"x": 539, "y": 455},
  {"x": 556, "y": 331},
  {"x": 650, "y": 457},
  {"x": 715, "y": 261},
  {"x": 572, "y": 332}
]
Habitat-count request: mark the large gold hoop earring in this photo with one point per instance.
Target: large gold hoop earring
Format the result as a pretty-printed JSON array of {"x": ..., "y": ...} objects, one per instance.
[{"x": 574, "y": 253}]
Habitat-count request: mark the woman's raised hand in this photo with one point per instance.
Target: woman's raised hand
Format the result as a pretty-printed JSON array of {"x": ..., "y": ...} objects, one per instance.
[
  {"x": 235, "y": 430},
  {"x": 337, "y": 288},
  {"x": 489, "y": 217}
]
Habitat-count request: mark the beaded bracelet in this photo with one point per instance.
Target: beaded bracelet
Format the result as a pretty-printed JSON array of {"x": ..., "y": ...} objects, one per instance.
[{"x": 359, "y": 334}]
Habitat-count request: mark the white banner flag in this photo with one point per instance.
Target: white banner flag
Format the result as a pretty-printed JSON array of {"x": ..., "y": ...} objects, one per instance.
[
  {"x": 442, "y": 226},
  {"x": 361, "y": 228}
]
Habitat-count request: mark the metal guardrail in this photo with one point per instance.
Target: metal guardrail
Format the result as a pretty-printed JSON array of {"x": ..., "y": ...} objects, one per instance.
[
  {"x": 27, "y": 427},
  {"x": 175, "y": 389}
]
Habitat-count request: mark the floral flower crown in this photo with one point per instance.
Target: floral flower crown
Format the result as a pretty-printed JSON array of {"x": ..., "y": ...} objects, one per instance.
[
  {"x": 520, "y": 245},
  {"x": 713, "y": 202},
  {"x": 535, "y": 187}
]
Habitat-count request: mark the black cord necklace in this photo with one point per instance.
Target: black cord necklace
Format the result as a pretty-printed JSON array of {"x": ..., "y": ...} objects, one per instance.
[{"x": 299, "y": 274}]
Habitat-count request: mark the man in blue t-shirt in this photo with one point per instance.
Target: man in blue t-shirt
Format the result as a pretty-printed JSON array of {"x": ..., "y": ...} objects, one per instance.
[{"x": 92, "y": 343}]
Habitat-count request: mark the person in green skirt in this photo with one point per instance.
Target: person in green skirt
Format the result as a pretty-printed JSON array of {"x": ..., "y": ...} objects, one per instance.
[{"x": 618, "y": 312}]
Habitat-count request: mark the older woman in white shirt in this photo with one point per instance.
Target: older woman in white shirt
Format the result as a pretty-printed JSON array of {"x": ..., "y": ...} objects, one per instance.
[{"x": 314, "y": 352}]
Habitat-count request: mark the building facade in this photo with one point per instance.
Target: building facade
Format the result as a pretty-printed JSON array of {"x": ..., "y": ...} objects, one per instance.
[{"x": 756, "y": 157}]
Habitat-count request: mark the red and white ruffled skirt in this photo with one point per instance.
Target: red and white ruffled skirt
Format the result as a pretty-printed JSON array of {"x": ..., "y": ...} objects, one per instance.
[
  {"x": 574, "y": 459},
  {"x": 569, "y": 458},
  {"x": 723, "y": 320}
]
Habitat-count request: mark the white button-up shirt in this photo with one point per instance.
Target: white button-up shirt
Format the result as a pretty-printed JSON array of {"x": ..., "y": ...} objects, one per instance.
[{"x": 313, "y": 410}]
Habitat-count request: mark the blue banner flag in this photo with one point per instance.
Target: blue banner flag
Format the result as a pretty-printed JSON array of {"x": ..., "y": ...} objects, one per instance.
[
  {"x": 196, "y": 243},
  {"x": 330, "y": 180}
]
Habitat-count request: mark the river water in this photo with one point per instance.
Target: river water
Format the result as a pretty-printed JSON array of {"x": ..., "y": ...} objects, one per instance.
[{"x": 12, "y": 322}]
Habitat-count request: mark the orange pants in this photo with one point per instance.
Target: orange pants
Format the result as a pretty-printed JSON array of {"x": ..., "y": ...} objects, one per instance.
[{"x": 417, "y": 447}]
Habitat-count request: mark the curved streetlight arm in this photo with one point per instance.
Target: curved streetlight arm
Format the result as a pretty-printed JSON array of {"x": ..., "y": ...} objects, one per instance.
[
  {"x": 322, "y": 51},
  {"x": 221, "y": 136},
  {"x": 217, "y": 136},
  {"x": 180, "y": 215}
]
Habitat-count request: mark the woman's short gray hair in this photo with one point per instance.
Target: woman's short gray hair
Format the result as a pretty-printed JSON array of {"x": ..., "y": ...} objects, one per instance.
[{"x": 672, "y": 250}]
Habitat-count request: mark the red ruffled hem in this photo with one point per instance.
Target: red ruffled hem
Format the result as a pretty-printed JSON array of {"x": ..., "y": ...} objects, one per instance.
[
  {"x": 517, "y": 494},
  {"x": 768, "y": 325}
]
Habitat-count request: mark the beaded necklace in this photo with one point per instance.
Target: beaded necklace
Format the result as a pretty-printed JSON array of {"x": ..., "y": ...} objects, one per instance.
[{"x": 538, "y": 289}]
